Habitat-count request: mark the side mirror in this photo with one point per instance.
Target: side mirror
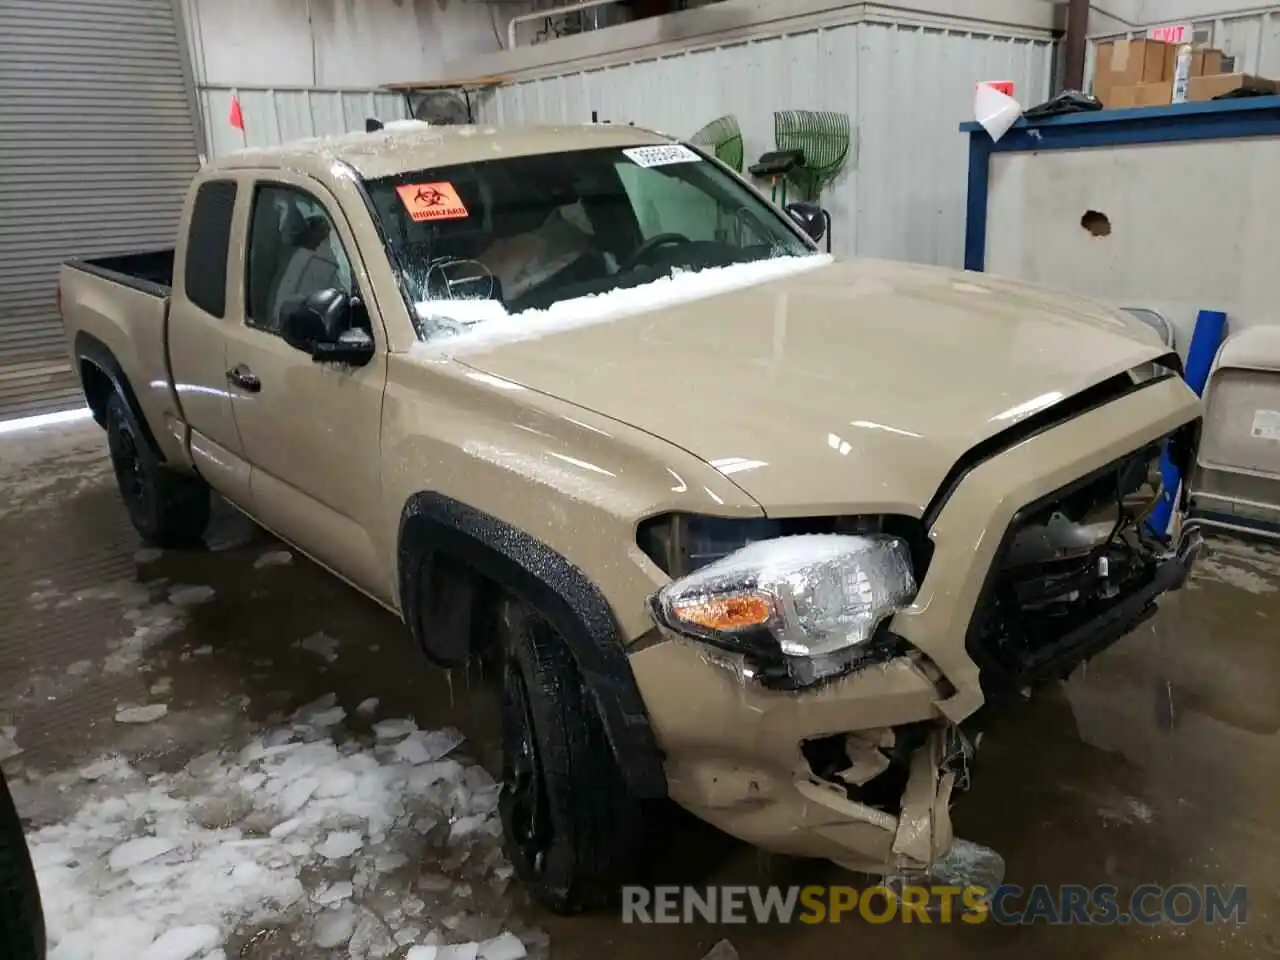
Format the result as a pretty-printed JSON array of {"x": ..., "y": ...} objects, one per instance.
[
  {"x": 353, "y": 347},
  {"x": 324, "y": 326},
  {"x": 811, "y": 217}
]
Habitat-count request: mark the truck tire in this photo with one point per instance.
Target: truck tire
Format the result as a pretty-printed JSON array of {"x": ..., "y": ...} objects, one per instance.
[
  {"x": 168, "y": 509},
  {"x": 22, "y": 933},
  {"x": 570, "y": 827}
]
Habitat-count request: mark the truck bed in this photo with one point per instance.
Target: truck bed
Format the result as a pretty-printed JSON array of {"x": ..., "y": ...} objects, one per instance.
[
  {"x": 115, "y": 312},
  {"x": 150, "y": 271}
]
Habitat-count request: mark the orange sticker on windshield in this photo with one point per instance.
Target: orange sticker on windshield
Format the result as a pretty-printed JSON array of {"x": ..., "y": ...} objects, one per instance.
[{"x": 432, "y": 201}]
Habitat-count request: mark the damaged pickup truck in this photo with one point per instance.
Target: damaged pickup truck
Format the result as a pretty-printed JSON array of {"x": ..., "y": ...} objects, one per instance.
[{"x": 745, "y": 526}]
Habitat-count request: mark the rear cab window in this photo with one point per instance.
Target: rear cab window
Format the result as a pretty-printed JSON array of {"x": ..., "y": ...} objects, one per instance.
[{"x": 208, "y": 245}]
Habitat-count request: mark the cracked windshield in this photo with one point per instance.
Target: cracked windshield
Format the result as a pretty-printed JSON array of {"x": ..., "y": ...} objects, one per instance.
[{"x": 528, "y": 232}]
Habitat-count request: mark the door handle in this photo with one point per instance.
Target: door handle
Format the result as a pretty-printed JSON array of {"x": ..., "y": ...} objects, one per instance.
[{"x": 244, "y": 378}]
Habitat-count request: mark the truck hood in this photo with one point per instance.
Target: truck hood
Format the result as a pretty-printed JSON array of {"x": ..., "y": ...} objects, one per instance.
[{"x": 854, "y": 386}]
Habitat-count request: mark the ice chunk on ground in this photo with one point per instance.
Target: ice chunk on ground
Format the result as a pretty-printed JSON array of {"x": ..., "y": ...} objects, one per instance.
[
  {"x": 8, "y": 743},
  {"x": 407, "y": 935},
  {"x": 182, "y": 943},
  {"x": 322, "y": 645},
  {"x": 276, "y": 558},
  {"x": 190, "y": 595},
  {"x": 296, "y": 795},
  {"x": 131, "y": 853},
  {"x": 281, "y": 830},
  {"x": 334, "y": 928},
  {"x": 339, "y": 844},
  {"x": 333, "y": 893},
  {"x": 148, "y": 714},
  {"x": 428, "y": 952},
  {"x": 424, "y": 746},
  {"x": 458, "y": 951},
  {"x": 393, "y": 729},
  {"x": 505, "y": 946},
  {"x": 219, "y": 852},
  {"x": 368, "y": 707},
  {"x": 386, "y": 862},
  {"x": 370, "y": 939},
  {"x": 328, "y": 718},
  {"x": 723, "y": 950},
  {"x": 108, "y": 767}
]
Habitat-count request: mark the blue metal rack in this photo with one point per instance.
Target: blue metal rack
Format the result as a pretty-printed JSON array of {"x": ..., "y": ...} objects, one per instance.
[{"x": 1214, "y": 120}]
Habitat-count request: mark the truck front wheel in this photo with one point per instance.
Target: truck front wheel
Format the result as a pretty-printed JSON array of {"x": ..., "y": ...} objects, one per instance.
[
  {"x": 168, "y": 509},
  {"x": 569, "y": 824}
]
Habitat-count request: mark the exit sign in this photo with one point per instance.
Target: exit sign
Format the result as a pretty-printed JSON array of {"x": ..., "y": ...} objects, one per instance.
[{"x": 1178, "y": 33}]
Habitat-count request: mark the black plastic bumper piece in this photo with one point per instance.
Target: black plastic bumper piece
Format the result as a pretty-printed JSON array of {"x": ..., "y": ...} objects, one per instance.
[{"x": 1093, "y": 637}]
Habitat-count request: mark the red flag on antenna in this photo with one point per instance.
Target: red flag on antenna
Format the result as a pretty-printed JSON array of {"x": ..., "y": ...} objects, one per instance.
[{"x": 237, "y": 115}]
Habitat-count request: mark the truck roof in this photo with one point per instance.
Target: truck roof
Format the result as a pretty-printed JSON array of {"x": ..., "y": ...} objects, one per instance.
[{"x": 406, "y": 146}]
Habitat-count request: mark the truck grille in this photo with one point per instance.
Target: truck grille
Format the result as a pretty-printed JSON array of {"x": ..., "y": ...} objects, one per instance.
[{"x": 1069, "y": 562}]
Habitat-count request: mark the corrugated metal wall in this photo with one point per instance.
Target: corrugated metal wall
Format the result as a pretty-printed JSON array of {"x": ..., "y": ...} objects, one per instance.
[
  {"x": 906, "y": 88},
  {"x": 97, "y": 146},
  {"x": 1252, "y": 38},
  {"x": 273, "y": 116}
]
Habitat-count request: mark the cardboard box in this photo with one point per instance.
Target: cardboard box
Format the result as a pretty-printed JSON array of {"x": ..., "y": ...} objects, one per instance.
[
  {"x": 1206, "y": 88},
  {"x": 1125, "y": 63},
  {"x": 1156, "y": 94},
  {"x": 1118, "y": 98},
  {"x": 1205, "y": 62}
]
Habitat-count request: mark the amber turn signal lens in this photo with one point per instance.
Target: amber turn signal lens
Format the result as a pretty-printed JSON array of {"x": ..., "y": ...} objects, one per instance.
[{"x": 725, "y": 613}]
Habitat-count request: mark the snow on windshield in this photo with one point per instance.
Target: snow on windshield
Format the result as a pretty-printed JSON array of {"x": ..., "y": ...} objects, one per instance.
[{"x": 469, "y": 325}]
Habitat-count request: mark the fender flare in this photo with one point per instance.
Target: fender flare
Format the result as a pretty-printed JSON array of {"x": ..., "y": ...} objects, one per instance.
[
  {"x": 573, "y": 605},
  {"x": 89, "y": 348}
]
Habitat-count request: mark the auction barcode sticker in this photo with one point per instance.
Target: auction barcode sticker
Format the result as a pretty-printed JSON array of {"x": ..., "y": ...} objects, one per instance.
[
  {"x": 660, "y": 155},
  {"x": 1266, "y": 424}
]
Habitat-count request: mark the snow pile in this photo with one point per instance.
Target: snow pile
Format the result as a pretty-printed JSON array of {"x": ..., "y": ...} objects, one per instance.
[
  {"x": 9, "y": 743},
  {"x": 152, "y": 613},
  {"x": 487, "y": 324},
  {"x": 296, "y": 829}
]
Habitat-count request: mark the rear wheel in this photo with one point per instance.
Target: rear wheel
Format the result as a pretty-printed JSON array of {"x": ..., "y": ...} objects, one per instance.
[
  {"x": 22, "y": 933},
  {"x": 570, "y": 826},
  {"x": 168, "y": 509}
]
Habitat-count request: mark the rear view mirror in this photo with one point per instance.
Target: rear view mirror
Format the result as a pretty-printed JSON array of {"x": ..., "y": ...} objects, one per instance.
[{"x": 325, "y": 326}]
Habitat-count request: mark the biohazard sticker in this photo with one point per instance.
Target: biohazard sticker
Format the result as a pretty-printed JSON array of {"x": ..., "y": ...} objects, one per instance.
[
  {"x": 432, "y": 201},
  {"x": 661, "y": 155}
]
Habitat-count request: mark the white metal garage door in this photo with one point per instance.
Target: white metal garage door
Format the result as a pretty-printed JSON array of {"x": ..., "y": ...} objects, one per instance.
[{"x": 97, "y": 146}]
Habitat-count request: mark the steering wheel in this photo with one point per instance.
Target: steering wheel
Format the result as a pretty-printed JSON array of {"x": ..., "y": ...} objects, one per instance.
[{"x": 653, "y": 243}]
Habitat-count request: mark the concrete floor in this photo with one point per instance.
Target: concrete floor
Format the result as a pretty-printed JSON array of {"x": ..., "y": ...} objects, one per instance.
[{"x": 1158, "y": 763}]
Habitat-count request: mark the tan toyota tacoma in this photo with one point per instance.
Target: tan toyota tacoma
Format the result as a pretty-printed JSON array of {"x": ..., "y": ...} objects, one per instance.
[{"x": 747, "y": 527}]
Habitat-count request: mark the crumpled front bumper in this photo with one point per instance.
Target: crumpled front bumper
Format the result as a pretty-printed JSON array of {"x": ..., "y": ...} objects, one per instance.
[
  {"x": 733, "y": 750},
  {"x": 733, "y": 756}
]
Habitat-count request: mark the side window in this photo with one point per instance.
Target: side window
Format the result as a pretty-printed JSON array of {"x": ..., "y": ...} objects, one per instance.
[
  {"x": 208, "y": 241},
  {"x": 294, "y": 251}
]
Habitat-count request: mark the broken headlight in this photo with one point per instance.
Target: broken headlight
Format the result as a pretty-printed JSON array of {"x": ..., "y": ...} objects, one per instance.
[{"x": 798, "y": 609}]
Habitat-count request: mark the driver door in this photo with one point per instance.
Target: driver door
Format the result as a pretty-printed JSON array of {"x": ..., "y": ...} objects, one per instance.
[{"x": 309, "y": 431}]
